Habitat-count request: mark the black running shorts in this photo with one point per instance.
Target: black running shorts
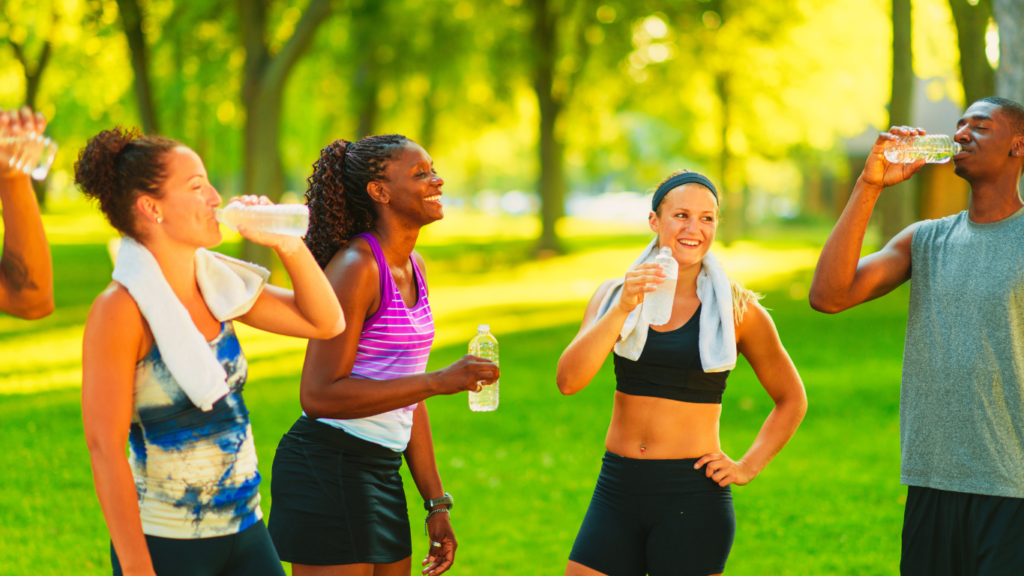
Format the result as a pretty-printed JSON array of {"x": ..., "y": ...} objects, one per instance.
[
  {"x": 959, "y": 534},
  {"x": 656, "y": 517}
]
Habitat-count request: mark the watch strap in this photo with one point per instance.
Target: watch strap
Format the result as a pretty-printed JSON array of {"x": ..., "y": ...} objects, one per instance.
[{"x": 445, "y": 500}]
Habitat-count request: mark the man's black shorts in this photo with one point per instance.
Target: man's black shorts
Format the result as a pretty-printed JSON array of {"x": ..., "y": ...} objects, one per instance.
[{"x": 959, "y": 534}]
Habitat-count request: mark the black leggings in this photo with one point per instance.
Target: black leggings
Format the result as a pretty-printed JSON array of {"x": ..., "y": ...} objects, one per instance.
[
  {"x": 656, "y": 517},
  {"x": 248, "y": 553}
]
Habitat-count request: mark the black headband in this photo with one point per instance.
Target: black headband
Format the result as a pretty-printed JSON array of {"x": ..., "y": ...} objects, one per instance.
[{"x": 679, "y": 180}]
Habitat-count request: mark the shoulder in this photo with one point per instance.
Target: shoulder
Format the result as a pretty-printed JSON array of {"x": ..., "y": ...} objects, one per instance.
[
  {"x": 754, "y": 321},
  {"x": 115, "y": 304},
  {"x": 603, "y": 290},
  {"x": 354, "y": 263},
  {"x": 115, "y": 315}
]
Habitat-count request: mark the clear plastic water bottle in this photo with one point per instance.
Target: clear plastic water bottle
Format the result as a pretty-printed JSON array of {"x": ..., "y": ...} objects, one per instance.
[
  {"x": 657, "y": 306},
  {"x": 27, "y": 152},
  {"x": 289, "y": 219},
  {"x": 934, "y": 149},
  {"x": 484, "y": 345}
]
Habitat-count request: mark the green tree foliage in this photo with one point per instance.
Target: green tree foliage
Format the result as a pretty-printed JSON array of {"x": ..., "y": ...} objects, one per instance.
[{"x": 592, "y": 95}]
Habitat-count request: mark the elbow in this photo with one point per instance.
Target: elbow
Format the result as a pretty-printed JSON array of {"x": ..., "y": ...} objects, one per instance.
[
  {"x": 35, "y": 309},
  {"x": 822, "y": 303},
  {"x": 331, "y": 330},
  {"x": 565, "y": 384}
]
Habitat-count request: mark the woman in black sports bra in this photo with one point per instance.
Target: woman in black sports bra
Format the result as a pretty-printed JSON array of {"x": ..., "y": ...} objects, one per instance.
[{"x": 662, "y": 505}]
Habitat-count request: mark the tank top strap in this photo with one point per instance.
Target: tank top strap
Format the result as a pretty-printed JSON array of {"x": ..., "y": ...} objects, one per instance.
[
  {"x": 421, "y": 284},
  {"x": 386, "y": 282}
]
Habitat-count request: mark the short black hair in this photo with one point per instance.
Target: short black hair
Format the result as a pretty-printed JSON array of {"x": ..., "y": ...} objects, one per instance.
[{"x": 1013, "y": 110}]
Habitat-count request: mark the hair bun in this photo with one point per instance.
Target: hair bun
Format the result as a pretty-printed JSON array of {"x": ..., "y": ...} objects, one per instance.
[{"x": 96, "y": 168}]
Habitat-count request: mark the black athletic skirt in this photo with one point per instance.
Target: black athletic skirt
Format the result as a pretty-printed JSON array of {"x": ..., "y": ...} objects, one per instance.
[
  {"x": 337, "y": 499},
  {"x": 656, "y": 517}
]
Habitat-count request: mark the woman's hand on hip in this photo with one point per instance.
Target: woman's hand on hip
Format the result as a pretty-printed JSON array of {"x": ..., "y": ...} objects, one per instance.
[
  {"x": 639, "y": 281},
  {"x": 440, "y": 558},
  {"x": 725, "y": 470},
  {"x": 466, "y": 375}
]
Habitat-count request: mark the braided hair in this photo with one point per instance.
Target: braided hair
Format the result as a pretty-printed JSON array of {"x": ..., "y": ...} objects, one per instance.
[{"x": 339, "y": 205}]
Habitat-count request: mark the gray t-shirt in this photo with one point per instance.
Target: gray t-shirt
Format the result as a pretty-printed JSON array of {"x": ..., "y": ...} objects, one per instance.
[{"x": 962, "y": 399}]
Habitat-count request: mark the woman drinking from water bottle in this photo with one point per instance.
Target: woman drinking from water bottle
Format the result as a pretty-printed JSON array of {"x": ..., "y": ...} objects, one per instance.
[
  {"x": 662, "y": 505},
  {"x": 163, "y": 371},
  {"x": 339, "y": 506}
]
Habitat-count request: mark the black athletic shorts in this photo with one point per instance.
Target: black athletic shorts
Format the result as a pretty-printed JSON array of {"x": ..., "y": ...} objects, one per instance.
[
  {"x": 248, "y": 553},
  {"x": 337, "y": 499},
  {"x": 656, "y": 517},
  {"x": 959, "y": 534}
]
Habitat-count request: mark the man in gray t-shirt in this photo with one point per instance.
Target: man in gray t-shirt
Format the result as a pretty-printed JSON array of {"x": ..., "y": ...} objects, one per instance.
[{"x": 962, "y": 396}]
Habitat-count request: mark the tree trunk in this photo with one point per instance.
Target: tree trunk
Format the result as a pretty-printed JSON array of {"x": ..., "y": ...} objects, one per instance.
[
  {"x": 551, "y": 183},
  {"x": 895, "y": 203},
  {"x": 976, "y": 73},
  {"x": 33, "y": 78},
  {"x": 262, "y": 92},
  {"x": 131, "y": 20},
  {"x": 1009, "y": 16},
  {"x": 731, "y": 198},
  {"x": 367, "y": 90}
]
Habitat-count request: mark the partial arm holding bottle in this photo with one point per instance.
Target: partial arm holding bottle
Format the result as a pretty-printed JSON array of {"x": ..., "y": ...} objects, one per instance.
[
  {"x": 842, "y": 278},
  {"x": 585, "y": 355},
  {"x": 26, "y": 272}
]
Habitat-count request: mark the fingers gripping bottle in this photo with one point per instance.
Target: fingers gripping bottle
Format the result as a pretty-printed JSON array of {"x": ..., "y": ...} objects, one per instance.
[
  {"x": 288, "y": 219},
  {"x": 657, "y": 305},
  {"x": 484, "y": 345}
]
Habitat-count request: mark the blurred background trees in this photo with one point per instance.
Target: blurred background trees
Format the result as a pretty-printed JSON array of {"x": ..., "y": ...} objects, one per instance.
[{"x": 552, "y": 100}]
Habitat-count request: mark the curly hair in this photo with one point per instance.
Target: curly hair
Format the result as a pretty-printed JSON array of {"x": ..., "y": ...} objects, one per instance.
[
  {"x": 339, "y": 205},
  {"x": 116, "y": 166}
]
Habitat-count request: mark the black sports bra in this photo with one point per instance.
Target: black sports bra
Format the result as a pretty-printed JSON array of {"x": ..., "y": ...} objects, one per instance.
[{"x": 669, "y": 367}]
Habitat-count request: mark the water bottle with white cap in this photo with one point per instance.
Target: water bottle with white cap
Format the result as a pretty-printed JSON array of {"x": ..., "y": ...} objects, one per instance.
[
  {"x": 288, "y": 219},
  {"x": 484, "y": 345}
]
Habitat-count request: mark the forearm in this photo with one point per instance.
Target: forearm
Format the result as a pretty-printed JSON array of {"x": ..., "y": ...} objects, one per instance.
[
  {"x": 419, "y": 455},
  {"x": 347, "y": 398},
  {"x": 777, "y": 430},
  {"x": 115, "y": 488},
  {"x": 26, "y": 272},
  {"x": 586, "y": 354},
  {"x": 314, "y": 296},
  {"x": 837, "y": 265}
]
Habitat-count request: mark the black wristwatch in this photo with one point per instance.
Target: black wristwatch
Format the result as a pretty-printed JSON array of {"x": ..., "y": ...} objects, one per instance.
[{"x": 445, "y": 500}]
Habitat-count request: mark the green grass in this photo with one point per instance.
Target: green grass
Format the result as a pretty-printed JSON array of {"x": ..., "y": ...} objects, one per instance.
[{"x": 831, "y": 502}]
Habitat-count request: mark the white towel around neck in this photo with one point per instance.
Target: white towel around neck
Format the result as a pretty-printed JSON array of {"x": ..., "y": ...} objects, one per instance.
[
  {"x": 717, "y": 341},
  {"x": 229, "y": 286}
]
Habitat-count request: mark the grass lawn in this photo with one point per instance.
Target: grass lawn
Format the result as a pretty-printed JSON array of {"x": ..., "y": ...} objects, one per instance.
[{"x": 831, "y": 502}]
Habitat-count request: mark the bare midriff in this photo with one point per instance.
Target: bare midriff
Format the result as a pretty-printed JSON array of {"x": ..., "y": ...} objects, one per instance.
[{"x": 660, "y": 429}]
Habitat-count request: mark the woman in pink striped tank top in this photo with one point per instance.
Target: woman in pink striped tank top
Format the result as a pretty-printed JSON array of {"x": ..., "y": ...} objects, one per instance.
[{"x": 338, "y": 503}]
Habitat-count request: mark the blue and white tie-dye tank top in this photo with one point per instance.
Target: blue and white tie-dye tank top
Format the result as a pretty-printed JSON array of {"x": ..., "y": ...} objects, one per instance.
[
  {"x": 195, "y": 472},
  {"x": 395, "y": 342}
]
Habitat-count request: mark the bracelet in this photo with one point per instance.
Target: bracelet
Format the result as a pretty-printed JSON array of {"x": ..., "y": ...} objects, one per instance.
[{"x": 431, "y": 513}]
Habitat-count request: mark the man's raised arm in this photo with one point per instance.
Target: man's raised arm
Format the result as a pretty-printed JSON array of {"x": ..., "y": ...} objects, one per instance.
[
  {"x": 842, "y": 278},
  {"x": 26, "y": 273}
]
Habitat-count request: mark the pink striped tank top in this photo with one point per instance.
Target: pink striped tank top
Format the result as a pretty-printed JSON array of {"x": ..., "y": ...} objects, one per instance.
[{"x": 395, "y": 342}]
